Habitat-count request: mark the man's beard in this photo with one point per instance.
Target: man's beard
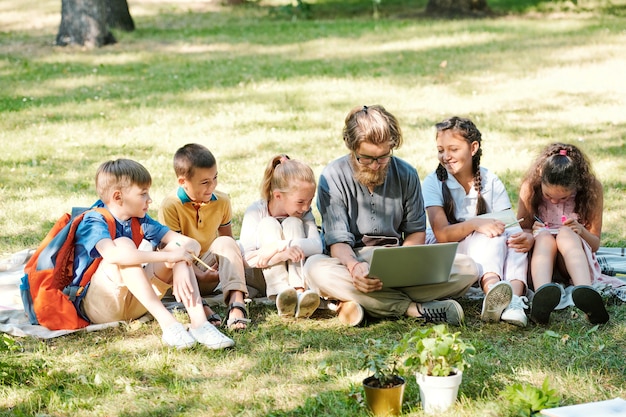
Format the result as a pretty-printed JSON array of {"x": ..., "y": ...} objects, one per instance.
[{"x": 368, "y": 177}]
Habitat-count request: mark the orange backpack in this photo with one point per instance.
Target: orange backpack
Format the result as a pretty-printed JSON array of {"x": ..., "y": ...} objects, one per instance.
[{"x": 50, "y": 293}]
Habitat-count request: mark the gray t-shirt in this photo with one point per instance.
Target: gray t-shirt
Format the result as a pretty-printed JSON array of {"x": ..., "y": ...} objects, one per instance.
[{"x": 349, "y": 211}]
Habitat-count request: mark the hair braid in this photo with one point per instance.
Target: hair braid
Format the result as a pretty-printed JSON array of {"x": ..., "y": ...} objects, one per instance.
[
  {"x": 481, "y": 204},
  {"x": 448, "y": 201},
  {"x": 468, "y": 130}
]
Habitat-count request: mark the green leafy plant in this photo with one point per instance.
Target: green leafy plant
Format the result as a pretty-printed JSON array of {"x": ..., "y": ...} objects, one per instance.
[
  {"x": 526, "y": 400},
  {"x": 435, "y": 351},
  {"x": 382, "y": 361},
  {"x": 9, "y": 344}
]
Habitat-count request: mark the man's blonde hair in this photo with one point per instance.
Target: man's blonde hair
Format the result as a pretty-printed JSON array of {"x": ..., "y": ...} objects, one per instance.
[{"x": 371, "y": 124}]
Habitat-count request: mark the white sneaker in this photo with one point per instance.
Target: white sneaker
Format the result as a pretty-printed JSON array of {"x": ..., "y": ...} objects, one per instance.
[
  {"x": 287, "y": 302},
  {"x": 498, "y": 298},
  {"x": 177, "y": 336},
  {"x": 514, "y": 313},
  {"x": 308, "y": 301},
  {"x": 209, "y": 336}
]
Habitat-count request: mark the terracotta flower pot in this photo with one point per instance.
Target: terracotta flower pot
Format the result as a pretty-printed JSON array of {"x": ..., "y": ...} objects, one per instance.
[
  {"x": 438, "y": 393},
  {"x": 384, "y": 401}
]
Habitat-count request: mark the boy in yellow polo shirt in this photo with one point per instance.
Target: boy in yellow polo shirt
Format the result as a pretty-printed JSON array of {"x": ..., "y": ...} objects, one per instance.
[{"x": 201, "y": 212}]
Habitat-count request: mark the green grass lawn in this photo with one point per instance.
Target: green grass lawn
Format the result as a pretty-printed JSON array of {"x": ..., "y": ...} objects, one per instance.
[{"x": 259, "y": 79}]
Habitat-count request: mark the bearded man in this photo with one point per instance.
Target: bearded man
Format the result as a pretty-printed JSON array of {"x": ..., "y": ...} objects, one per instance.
[{"x": 372, "y": 198}]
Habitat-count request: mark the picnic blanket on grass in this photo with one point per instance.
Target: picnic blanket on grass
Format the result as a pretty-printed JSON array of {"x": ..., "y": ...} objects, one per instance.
[
  {"x": 612, "y": 261},
  {"x": 13, "y": 318},
  {"x": 14, "y": 321}
]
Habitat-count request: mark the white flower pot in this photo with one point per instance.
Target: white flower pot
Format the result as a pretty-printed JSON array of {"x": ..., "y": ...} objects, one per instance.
[{"x": 438, "y": 393}]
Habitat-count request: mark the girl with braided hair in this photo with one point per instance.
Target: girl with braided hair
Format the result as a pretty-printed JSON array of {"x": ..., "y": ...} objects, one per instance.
[
  {"x": 455, "y": 195},
  {"x": 561, "y": 201}
]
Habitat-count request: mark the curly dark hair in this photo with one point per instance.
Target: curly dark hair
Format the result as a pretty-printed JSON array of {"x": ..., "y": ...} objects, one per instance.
[
  {"x": 468, "y": 130},
  {"x": 564, "y": 165}
]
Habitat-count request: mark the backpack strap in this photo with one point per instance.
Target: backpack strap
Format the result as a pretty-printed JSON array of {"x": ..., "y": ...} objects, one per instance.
[
  {"x": 137, "y": 237},
  {"x": 136, "y": 230},
  {"x": 75, "y": 291}
]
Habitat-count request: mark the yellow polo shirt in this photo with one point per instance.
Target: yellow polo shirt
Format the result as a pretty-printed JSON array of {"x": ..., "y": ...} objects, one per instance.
[{"x": 199, "y": 221}]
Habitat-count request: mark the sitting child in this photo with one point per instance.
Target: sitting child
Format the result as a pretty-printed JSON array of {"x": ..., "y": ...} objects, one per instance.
[
  {"x": 279, "y": 232},
  {"x": 561, "y": 201},
  {"x": 199, "y": 211},
  {"x": 455, "y": 196},
  {"x": 123, "y": 289}
]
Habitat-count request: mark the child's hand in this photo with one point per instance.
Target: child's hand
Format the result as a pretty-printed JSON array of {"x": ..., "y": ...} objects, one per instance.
[
  {"x": 293, "y": 254},
  {"x": 574, "y": 225},
  {"x": 208, "y": 275},
  {"x": 539, "y": 227},
  {"x": 182, "y": 289},
  {"x": 521, "y": 241},
  {"x": 178, "y": 254},
  {"x": 489, "y": 227},
  {"x": 265, "y": 254}
]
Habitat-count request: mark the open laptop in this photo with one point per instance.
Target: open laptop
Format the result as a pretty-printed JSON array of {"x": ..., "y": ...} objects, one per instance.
[{"x": 408, "y": 266}]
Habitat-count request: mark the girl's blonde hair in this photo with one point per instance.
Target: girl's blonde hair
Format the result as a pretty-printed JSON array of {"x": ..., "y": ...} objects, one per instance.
[{"x": 282, "y": 174}]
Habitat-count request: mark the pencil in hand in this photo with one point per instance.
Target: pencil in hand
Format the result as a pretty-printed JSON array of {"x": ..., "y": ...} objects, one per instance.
[
  {"x": 200, "y": 261},
  {"x": 514, "y": 223}
]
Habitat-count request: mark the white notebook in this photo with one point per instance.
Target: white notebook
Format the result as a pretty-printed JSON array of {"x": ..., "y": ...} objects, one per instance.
[
  {"x": 609, "y": 408},
  {"x": 505, "y": 216}
]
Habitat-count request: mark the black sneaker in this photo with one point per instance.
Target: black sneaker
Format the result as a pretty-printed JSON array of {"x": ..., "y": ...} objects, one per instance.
[
  {"x": 590, "y": 302},
  {"x": 446, "y": 311},
  {"x": 544, "y": 302}
]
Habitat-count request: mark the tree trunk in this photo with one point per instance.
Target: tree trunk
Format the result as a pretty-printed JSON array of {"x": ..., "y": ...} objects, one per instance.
[
  {"x": 83, "y": 22},
  {"x": 457, "y": 7},
  {"x": 118, "y": 15}
]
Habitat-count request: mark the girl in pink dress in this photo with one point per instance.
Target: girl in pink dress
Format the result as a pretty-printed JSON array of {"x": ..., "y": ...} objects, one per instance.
[{"x": 561, "y": 201}]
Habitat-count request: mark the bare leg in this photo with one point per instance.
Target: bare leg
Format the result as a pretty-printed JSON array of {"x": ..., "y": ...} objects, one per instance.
[
  {"x": 135, "y": 279},
  {"x": 519, "y": 287},
  {"x": 236, "y": 297},
  {"x": 412, "y": 311},
  {"x": 488, "y": 279},
  {"x": 193, "y": 305},
  {"x": 570, "y": 247},
  {"x": 542, "y": 260}
]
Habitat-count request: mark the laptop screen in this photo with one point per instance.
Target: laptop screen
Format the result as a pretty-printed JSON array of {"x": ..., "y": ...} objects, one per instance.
[{"x": 408, "y": 266}]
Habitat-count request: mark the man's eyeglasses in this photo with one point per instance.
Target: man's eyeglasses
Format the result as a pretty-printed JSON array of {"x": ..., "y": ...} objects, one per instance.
[{"x": 368, "y": 160}]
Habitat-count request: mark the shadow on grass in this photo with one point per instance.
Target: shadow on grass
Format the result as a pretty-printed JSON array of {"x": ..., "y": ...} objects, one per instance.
[{"x": 316, "y": 353}]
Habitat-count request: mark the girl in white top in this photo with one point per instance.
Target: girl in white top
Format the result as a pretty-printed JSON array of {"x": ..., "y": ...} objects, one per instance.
[
  {"x": 454, "y": 196},
  {"x": 279, "y": 232}
]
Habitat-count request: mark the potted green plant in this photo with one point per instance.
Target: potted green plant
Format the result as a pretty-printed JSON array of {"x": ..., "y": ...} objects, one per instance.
[
  {"x": 438, "y": 358},
  {"x": 384, "y": 388}
]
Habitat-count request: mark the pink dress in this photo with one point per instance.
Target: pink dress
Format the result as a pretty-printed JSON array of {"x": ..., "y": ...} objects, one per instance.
[{"x": 552, "y": 215}]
